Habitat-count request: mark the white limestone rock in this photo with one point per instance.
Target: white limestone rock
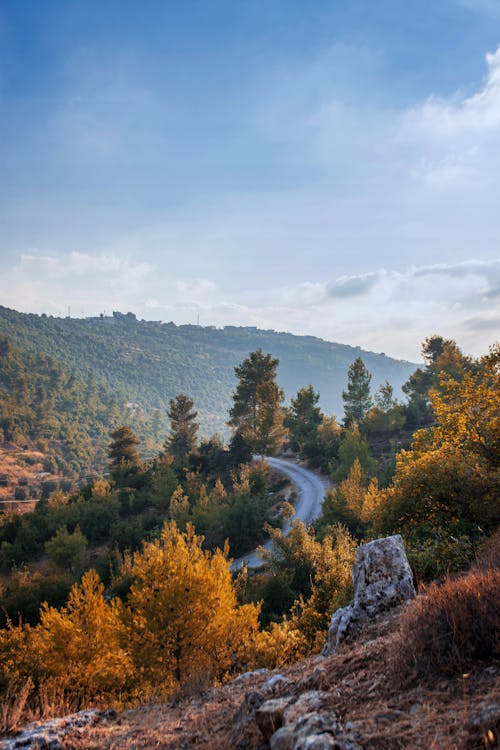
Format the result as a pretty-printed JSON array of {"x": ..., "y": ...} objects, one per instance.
[{"x": 382, "y": 579}]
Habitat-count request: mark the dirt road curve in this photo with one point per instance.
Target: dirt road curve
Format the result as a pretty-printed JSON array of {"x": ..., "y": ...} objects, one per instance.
[{"x": 311, "y": 490}]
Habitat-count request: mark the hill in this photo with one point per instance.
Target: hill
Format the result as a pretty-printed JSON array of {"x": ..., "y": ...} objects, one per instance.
[
  {"x": 358, "y": 699},
  {"x": 145, "y": 363}
]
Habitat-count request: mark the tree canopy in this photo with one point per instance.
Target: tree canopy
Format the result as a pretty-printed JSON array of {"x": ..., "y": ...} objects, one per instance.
[
  {"x": 303, "y": 419},
  {"x": 356, "y": 397},
  {"x": 183, "y": 427},
  {"x": 256, "y": 412}
]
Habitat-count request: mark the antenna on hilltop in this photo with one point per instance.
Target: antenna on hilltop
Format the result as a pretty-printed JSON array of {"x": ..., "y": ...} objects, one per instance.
[
  {"x": 69, "y": 311},
  {"x": 198, "y": 320}
]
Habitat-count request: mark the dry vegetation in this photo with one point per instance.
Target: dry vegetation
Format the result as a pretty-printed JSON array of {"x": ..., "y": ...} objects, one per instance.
[
  {"x": 453, "y": 627},
  {"x": 445, "y": 714}
]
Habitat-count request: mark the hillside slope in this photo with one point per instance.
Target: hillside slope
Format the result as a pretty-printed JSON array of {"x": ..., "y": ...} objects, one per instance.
[
  {"x": 359, "y": 686},
  {"x": 146, "y": 363}
]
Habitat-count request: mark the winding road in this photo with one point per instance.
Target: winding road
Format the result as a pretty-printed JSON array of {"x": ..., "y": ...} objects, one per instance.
[{"x": 311, "y": 490}]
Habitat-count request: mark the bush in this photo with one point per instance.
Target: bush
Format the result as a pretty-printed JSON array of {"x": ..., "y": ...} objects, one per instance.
[
  {"x": 489, "y": 553},
  {"x": 439, "y": 555},
  {"x": 452, "y": 626},
  {"x": 67, "y": 549}
]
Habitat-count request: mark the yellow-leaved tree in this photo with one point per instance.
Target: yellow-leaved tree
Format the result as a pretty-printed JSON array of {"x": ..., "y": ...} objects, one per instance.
[
  {"x": 445, "y": 493},
  {"x": 82, "y": 646},
  {"x": 319, "y": 575},
  {"x": 182, "y": 615}
]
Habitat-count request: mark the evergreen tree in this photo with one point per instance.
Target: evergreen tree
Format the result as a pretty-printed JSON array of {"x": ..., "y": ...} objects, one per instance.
[
  {"x": 303, "y": 418},
  {"x": 441, "y": 356},
  {"x": 122, "y": 452},
  {"x": 184, "y": 619},
  {"x": 353, "y": 446},
  {"x": 82, "y": 644},
  {"x": 183, "y": 427},
  {"x": 384, "y": 398},
  {"x": 256, "y": 411},
  {"x": 357, "y": 398}
]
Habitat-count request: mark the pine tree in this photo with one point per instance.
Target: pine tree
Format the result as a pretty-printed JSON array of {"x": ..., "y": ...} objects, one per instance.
[
  {"x": 82, "y": 644},
  {"x": 256, "y": 413},
  {"x": 304, "y": 418},
  {"x": 357, "y": 398},
  {"x": 183, "y": 427},
  {"x": 184, "y": 619},
  {"x": 123, "y": 455},
  {"x": 384, "y": 398}
]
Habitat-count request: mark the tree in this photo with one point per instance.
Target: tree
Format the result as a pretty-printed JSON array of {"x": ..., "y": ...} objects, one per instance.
[
  {"x": 303, "y": 419},
  {"x": 256, "y": 413},
  {"x": 123, "y": 455},
  {"x": 353, "y": 446},
  {"x": 83, "y": 644},
  {"x": 357, "y": 398},
  {"x": 184, "y": 619},
  {"x": 183, "y": 427},
  {"x": 384, "y": 398},
  {"x": 316, "y": 574},
  {"x": 441, "y": 356},
  {"x": 344, "y": 504},
  {"x": 445, "y": 491}
]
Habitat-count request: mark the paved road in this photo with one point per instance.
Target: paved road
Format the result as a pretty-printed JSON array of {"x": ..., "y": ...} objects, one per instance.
[{"x": 310, "y": 494}]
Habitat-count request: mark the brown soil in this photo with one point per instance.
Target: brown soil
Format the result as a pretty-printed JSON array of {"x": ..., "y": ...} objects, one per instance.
[
  {"x": 362, "y": 681},
  {"x": 18, "y": 464}
]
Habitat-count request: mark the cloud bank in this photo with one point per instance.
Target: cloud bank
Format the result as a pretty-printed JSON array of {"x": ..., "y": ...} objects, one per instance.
[{"x": 386, "y": 310}]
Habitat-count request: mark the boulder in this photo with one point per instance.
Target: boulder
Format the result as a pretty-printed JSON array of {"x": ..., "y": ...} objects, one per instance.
[
  {"x": 308, "y": 702},
  {"x": 382, "y": 579},
  {"x": 314, "y": 731},
  {"x": 269, "y": 716}
]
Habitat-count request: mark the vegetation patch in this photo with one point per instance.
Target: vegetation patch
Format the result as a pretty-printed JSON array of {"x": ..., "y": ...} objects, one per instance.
[{"x": 452, "y": 626}]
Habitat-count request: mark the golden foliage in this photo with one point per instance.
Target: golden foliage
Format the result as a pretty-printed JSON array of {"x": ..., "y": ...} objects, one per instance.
[
  {"x": 182, "y": 614},
  {"x": 281, "y": 644},
  {"x": 322, "y": 570},
  {"x": 84, "y": 642},
  {"x": 450, "y": 479}
]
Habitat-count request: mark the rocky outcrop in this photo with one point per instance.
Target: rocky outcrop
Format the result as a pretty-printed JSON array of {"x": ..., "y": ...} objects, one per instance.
[
  {"x": 296, "y": 721},
  {"x": 382, "y": 579},
  {"x": 315, "y": 731},
  {"x": 48, "y": 734}
]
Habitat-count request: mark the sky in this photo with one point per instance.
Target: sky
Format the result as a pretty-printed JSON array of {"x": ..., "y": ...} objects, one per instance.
[{"x": 325, "y": 167}]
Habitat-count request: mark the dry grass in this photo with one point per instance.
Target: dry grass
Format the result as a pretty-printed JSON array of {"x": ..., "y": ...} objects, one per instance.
[
  {"x": 13, "y": 708},
  {"x": 489, "y": 555},
  {"x": 449, "y": 714},
  {"x": 452, "y": 627}
]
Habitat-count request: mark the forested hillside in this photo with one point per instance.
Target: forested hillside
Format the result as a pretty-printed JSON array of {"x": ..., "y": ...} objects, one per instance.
[
  {"x": 146, "y": 363},
  {"x": 54, "y": 409},
  {"x": 120, "y": 589}
]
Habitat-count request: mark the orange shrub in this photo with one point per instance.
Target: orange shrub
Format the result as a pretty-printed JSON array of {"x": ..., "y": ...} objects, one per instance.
[{"x": 452, "y": 626}]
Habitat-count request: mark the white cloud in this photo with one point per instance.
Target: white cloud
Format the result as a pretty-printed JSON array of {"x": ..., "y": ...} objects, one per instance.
[
  {"x": 441, "y": 119},
  {"x": 80, "y": 264},
  {"x": 85, "y": 282},
  {"x": 196, "y": 290},
  {"x": 456, "y": 141}
]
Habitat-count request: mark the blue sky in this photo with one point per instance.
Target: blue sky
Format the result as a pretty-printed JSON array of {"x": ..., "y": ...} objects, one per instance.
[{"x": 329, "y": 168}]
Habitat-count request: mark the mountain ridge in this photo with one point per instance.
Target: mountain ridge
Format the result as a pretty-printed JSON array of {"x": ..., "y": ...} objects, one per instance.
[{"x": 148, "y": 362}]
